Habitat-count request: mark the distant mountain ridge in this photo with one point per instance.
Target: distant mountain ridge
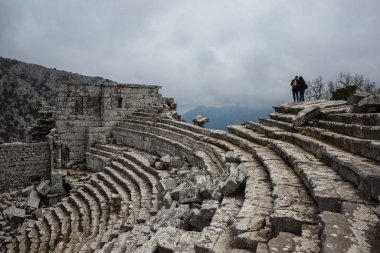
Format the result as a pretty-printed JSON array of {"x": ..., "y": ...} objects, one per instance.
[
  {"x": 221, "y": 117},
  {"x": 24, "y": 88}
]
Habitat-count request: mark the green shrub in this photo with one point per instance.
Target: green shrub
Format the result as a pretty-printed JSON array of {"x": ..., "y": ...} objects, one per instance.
[{"x": 343, "y": 93}]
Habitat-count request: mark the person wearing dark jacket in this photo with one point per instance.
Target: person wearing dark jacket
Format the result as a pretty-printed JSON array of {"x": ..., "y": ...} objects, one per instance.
[
  {"x": 293, "y": 83},
  {"x": 301, "y": 86}
]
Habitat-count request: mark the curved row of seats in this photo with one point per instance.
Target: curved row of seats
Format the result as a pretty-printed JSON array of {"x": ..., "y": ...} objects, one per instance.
[{"x": 301, "y": 187}]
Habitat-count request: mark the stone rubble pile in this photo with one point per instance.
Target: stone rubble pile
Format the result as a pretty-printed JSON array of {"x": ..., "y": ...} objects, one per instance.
[{"x": 23, "y": 204}]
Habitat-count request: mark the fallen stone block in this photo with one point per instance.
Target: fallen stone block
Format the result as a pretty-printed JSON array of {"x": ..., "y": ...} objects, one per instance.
[
  {"x": 176, "y": 162},
  {"x": 165, "y": 185},
  {"x": 177, "y": 217},
  {"x": 200, "y": 120},
  {"x": 15, "y": 214},
  {"x": 369, "y": 104},
  {"x": 249, "y": 224},
  {"x": 25, "y": 192},
  {"x": 167, "y": 239},
  {"x": 209, "y": 207},
  {"x": 309, "y": 113},
  {"x": 287, "y": 242},
  {"x": 158, "y": 165},
  {"x": 34, "y": 199},
  {"x": 43, "y": 188},
  {"x": 236, "y": 179},
  {"x": 167, "y": 201},
  {"x": 175, "y": 192},
  {"x": 232, "y": 157},
  {"x": 197, "y": 221},
  {"x": 190, "y": 194},
  {"x": 186, "y": 241},
  {"x": 213, "y": 240},
  {"x": 250, "y": 240}
]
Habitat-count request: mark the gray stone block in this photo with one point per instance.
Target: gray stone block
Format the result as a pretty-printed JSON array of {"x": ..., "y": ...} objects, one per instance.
[
  {"x": 34, "y": 199},
  {"x": 189, "y": 194},
  {"x": 309, "y": 113},
  {"x": 43, "y": 188},
  {"x": 15, "y": 214}
]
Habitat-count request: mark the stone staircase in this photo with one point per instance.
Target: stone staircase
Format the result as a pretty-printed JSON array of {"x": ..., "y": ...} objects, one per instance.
[{"x": 278, "y": 187}]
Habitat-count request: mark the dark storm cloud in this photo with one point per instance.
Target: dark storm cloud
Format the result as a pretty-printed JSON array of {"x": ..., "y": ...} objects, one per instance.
[{"x": 202, "y": 52}]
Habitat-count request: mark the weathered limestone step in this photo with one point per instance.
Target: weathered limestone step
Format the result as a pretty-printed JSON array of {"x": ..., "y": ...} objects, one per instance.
[
  {"x": 237, "y": 154},
  {"x": 73, "y": 236},
  {"x": 276, "y": 123},
  {"x": 354, "y": 130},
  {"x": 287, "y": 242},
  {"x": 147, "y": 176},
  {"x": 186, "y": 132},
  {"x": 362, "y": 147},
  {"x": 216, "y": 237},
  {"x": 128, "y": 206},
  {"x": 170, "y": 239},
  {"x": 181, "y": 137},
  {"x": 365, "y": 119},
  {"x": 63, "y": 218},
  {"x": 144, "y": 164},
  {"x": 151, "y": 143},
  {"x": 140, "y": 186},
  {"x": 84, "y": 213},
  {"x": 95, "y": 212},
  {"x": 184, "y": 125},
  {"x": 251, "y": 221},
  {"x": 101, "y": 152},
  {"x": 146, "y": 114},
  {"x": 326, "y": 186},
  {"x": 363, "y": 173},
  {"x": 293, "y": 206},
  {"x": 133, "y": 239},
  {"x": 44, "y": 231},
  {"x": 34, "y": 238},
  {"x": 151, "y": 109},
  {"x": 355, "y": 230},
  {"x": 95, "y": 162},
  {"x": 296, "y": 108},
  {"x": 288, "y": 118},
  {"x": 151, "y": 180},
  {"x": 111, "y": 148},
  {"x": 337, "y": 109},
  {"x": 55, "y": 229},
  {"x": 22, "y": 238},
  {"x": 138, "y": 139},
  {"x": 105, "y": 191}
]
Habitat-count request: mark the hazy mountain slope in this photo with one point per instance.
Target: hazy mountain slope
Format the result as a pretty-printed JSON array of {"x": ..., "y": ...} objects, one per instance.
[
  {"x": 23, "y": 89},
  {"x": 220, "y": 117}
]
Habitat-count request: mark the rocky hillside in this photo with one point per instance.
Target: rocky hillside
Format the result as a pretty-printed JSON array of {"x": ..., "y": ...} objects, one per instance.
[{"x": 24, "y": 88}]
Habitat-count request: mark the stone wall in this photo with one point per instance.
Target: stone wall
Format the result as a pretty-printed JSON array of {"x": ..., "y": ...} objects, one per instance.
[
  {"x": 23, "y": 163},
  {"x": 81, "y": 107}
]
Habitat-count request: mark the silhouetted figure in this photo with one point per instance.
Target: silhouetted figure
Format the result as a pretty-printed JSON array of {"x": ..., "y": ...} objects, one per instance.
[
  {"x": 294, "y": 88},
  {"x": 301, "y": 86}
]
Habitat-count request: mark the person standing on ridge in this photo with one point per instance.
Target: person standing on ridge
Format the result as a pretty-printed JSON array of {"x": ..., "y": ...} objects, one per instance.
[
  {"x": 301, "y": 86},
  {"x": 293, "y": 83}
]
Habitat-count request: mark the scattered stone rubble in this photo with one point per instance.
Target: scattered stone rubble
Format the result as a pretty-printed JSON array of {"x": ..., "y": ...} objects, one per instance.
[{"x": 303, "y": 180}]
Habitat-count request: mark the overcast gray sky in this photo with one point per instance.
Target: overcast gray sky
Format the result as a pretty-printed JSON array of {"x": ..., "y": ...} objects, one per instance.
[{"x": 203, "y": 52}]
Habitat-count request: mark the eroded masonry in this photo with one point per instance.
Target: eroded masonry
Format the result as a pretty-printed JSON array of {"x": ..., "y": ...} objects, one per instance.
[{"x": 119, "y": 171}]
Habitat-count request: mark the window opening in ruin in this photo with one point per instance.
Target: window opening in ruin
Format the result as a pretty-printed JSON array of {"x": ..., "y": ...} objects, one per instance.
[
  {"x": 120, "y": 102},
  {"x": 35, "y": 179},
  {"x": 97, "y": 105},
  {"x": 79, "y": 106}
]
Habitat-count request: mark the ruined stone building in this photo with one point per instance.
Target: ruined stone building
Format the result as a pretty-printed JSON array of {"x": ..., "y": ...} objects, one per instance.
[{"x": 125, "y": 174}]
